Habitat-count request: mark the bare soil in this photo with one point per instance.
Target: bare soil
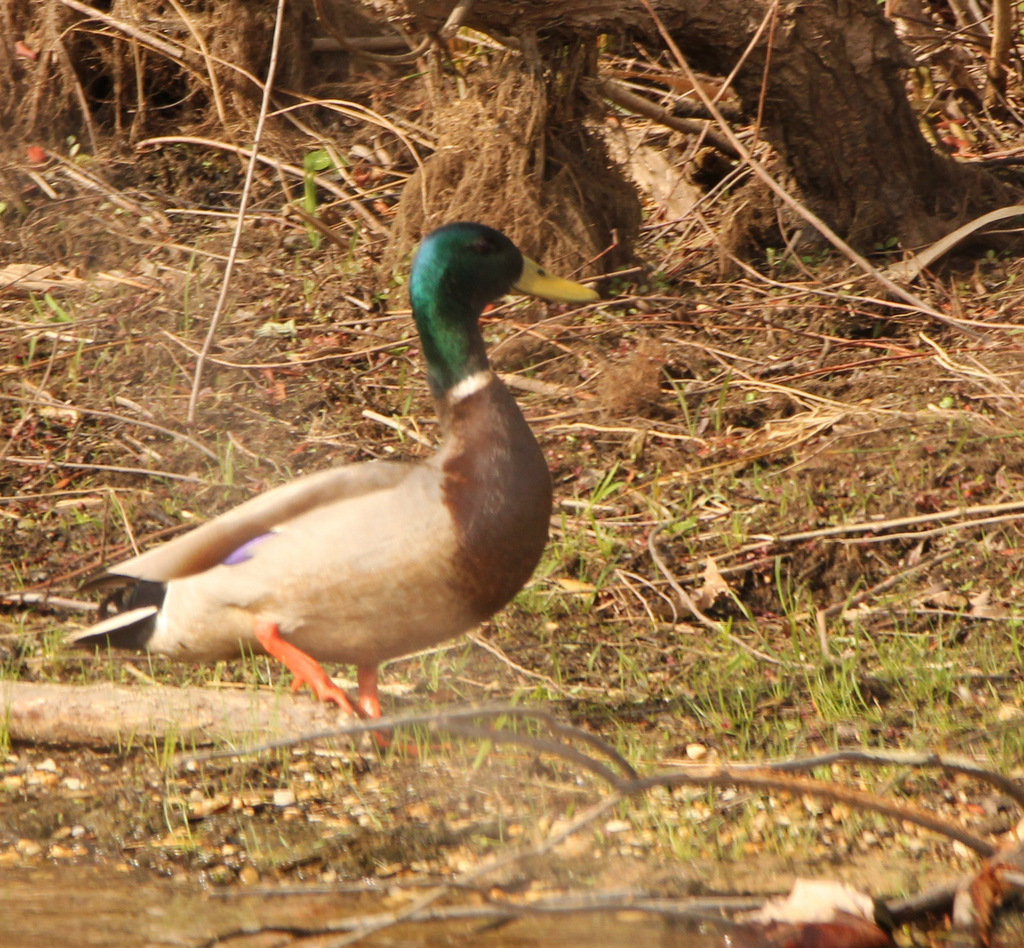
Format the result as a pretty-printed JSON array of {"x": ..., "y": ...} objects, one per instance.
[{"x": 727, "y": 418}]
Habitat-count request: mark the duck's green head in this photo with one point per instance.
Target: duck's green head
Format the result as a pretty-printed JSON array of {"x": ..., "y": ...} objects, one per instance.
[{"x": 459, "y": 269}]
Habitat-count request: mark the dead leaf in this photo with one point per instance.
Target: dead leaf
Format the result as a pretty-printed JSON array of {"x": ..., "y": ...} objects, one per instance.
[
  {"x": 1009, "y": 712},
  {"x": 655, "y": 174},
  {"x": 37, "y": 278},
  {"x": 821, "y": 913},
  {"x": 285, "y": 328},
  {"x": 48, "y": 406},
  {"x": 714, "y": 586},
  {"x": 575, "y": 585},
  {"x": 939, "y": 596},
  {"x": 915, "y": 555},
  {"x": 983, "y": 608},
  {"x": 814, "y": 900}
]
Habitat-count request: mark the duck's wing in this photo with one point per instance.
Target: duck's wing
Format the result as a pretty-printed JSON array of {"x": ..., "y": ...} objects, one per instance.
[{"x": 213, "y": 542}]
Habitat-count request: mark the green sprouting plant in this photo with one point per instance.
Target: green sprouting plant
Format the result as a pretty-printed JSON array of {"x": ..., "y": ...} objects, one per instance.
[
  {"x": 313, "y": 164},
  {"x": 607, "y": 486}
]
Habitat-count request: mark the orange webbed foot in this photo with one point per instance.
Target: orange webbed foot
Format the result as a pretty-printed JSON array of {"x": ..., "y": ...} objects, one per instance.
[
  {"x": 307, "y": 671},
  {"x": 305, "y": 668}
]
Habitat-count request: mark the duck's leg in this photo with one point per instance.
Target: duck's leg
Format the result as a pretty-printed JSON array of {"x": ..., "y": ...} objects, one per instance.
[
  {"x": 369, "y": 701},
  {"x": 307, "y": 670},
  {"x": 369, "y": 706}
]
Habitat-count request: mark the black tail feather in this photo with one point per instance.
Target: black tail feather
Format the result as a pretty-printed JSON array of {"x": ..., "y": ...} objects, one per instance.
[
  {"x": 143, "y": 592},
  {"x": 128, "y": 618}
]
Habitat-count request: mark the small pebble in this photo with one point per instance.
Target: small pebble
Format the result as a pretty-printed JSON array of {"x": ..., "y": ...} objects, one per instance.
[
  {"x": 220, "y": 875},
  {"x": 29, "y": 847},
  {"x": 42, "y": 778},
  {"x": 248, "y": 875}
]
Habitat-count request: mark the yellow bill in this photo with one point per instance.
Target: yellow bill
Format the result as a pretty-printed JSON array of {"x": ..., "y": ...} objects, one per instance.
[{"x": 536, "y": 281}]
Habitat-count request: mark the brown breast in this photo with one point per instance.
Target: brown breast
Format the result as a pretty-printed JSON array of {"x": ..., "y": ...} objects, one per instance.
[{"x": 498, "y": 489}]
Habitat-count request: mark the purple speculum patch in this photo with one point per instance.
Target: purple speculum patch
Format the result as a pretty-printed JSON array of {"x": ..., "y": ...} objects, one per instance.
[{"x": 245, "y": 551}]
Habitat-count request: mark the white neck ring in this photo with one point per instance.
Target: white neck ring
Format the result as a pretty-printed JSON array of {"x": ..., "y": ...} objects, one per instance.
[{"x": 470, "y": 385}]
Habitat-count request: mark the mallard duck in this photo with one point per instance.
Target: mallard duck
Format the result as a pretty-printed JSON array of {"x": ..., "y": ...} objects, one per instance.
[{"x": 365, "y": 562}]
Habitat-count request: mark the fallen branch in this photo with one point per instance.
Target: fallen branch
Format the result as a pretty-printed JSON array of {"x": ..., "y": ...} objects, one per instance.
[
  {"x": 116, "y": 716},
  {"x": 944, "y": 762},
  {"x": 618, "y": 93}
]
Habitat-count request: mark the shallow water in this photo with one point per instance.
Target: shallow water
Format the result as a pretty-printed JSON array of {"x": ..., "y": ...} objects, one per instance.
[{"x": 87, "y": 906}]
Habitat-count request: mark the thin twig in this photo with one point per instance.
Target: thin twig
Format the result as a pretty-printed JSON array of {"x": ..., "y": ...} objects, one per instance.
[
  {"x": 852, "y": 602},
  {"x": 211, "y": 72},
  {"x": 883, "y": 526},
  {"x": 957, "y": 765},
  {"x": 115, "y": 468},
  {"x": 409, "y": 56},
  {"x": 440, "y": 721},
  {"x": 547, "y": 680},
  {"x": 616, "y": 92},
  {"x": 394, "y": 425},
  {"x": 146, "y": 217},
  {"x": 726, "y": 776},
  {"x": 586, "y": 900},
  {"x": 113, "y": 416},
  {"x": 554, "y": 839},
  {"x": 25, "y": 598},
  {"x": 236, "y": 241},
  {"x": 293, "y": 170},
  {"x": 737, "y": 775},
  {"x": 171, "y": 50},
  {"x": 347, "y": 355}
]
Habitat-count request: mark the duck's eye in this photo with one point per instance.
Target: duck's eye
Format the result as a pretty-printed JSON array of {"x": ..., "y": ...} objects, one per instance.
[{"x": 485, "y": 246}]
